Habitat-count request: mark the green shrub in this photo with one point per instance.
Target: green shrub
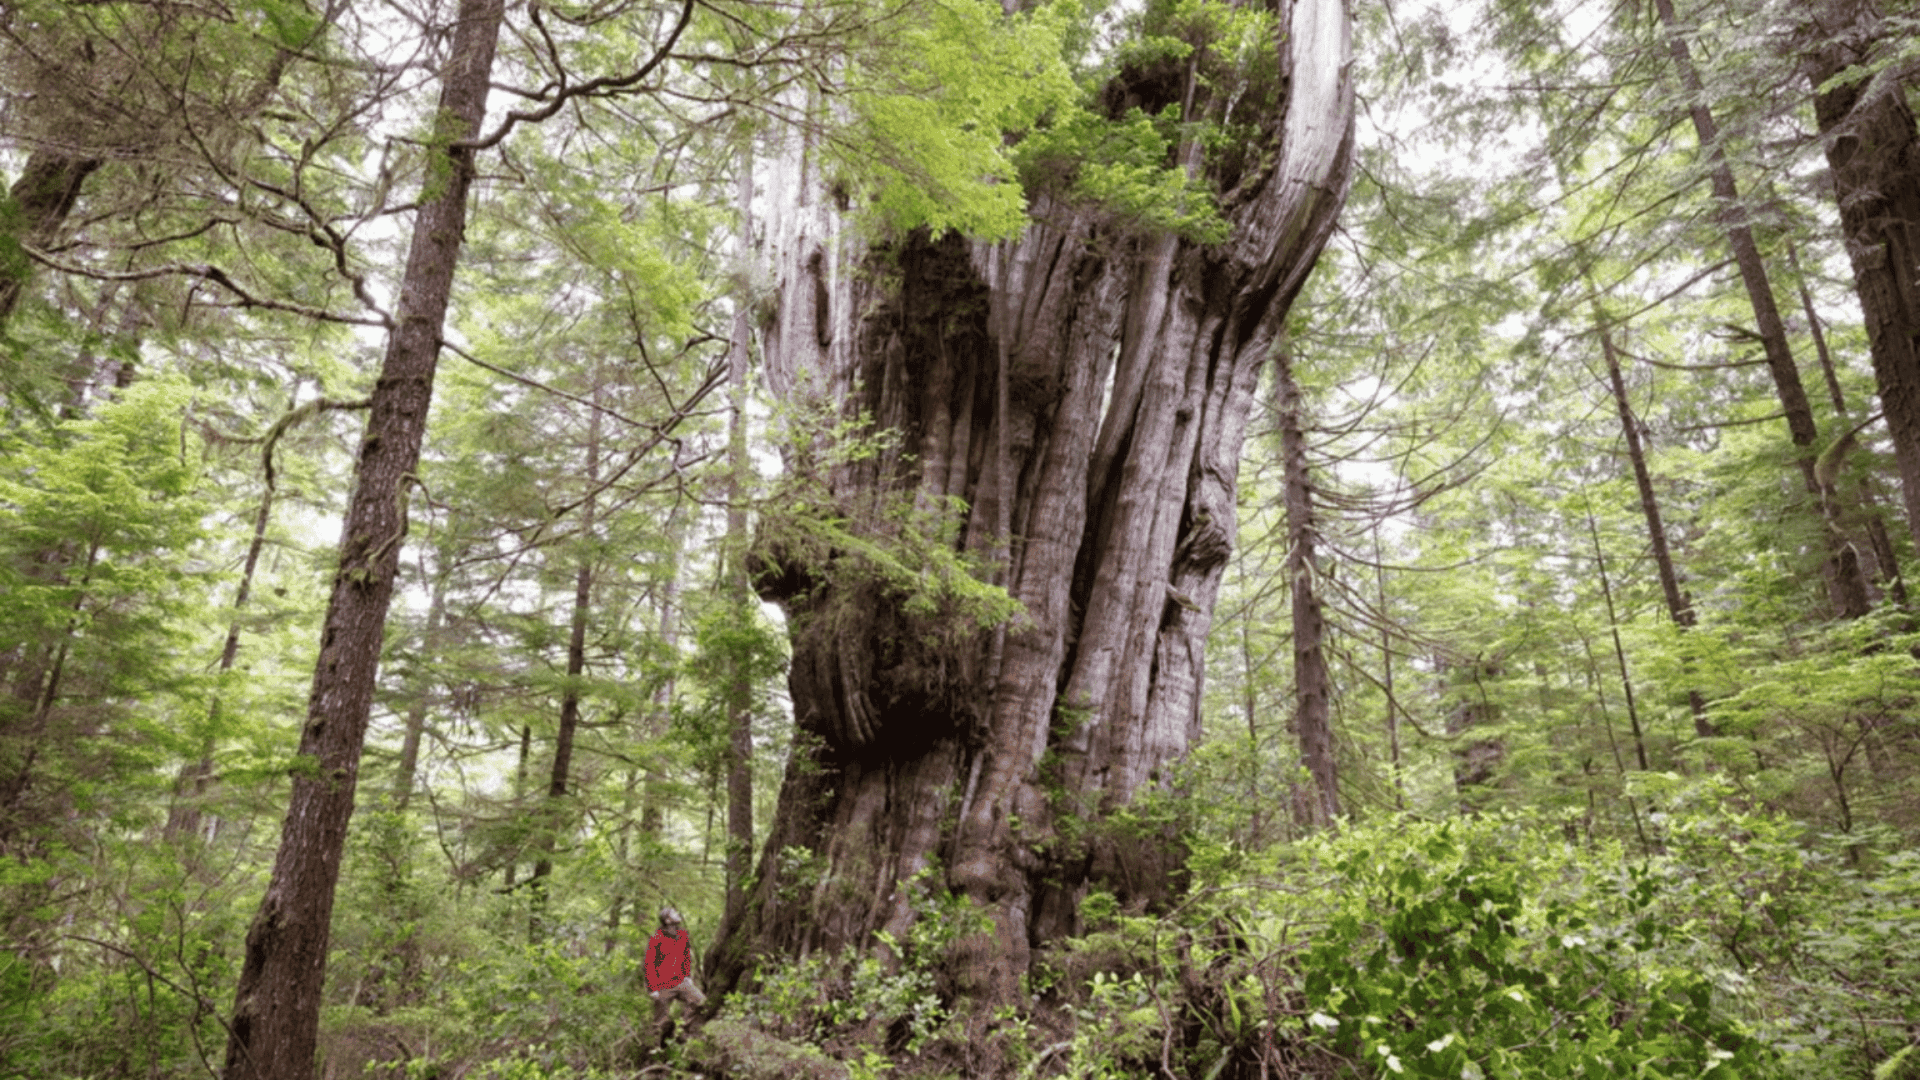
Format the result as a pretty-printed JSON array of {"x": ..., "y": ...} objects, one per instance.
[{"x": 1482, "y": 948}]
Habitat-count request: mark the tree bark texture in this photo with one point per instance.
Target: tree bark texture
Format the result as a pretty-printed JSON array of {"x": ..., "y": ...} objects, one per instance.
[
  {"x": 276, "y": 1011},
  {"x": 1130, "y": 371},
  {"x": 1846, "y": 582},
  {"x": 1873, "y": 152},
  {"x": 38, "y": 204},
  {"x": 1312, "y": 683}
]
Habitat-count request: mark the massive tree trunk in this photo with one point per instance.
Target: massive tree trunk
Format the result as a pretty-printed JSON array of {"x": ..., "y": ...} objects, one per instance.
[
  {"x": 276, "y": 1014},
  {"x": 1107, "y": 446},
  {"x": 1874, "y": 152}
]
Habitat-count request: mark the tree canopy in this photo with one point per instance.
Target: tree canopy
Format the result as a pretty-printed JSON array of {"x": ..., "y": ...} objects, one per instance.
[{"x": 1189, "y": 538}]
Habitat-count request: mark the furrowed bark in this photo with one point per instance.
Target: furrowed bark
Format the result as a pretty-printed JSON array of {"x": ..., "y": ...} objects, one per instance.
[
  {"x": 1873, "y": 151},
  {"x": 1107, "y": 440},
  {"x": 276, "y": 1013}
]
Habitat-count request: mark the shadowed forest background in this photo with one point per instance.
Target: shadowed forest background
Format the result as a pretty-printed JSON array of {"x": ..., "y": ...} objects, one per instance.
[{"x": 1191, "y": 539}]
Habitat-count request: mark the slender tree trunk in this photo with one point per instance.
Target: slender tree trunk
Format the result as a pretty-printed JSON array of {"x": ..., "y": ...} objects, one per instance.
[
  {"x": 1130, "y": 371},
  {"x": 1313, "y": 686},
  {"x": 1873, "y": 151},
  {"x": 1386, "y": 674},
  {"x": 1679, "y": 604},
  {"x": 190, "y": 787},
  {"x": 21, "y": 741},
  {"x": 521, "y": 764},
  {"x": 1249, "y": 707},
  {"x": 739, "y": 589},
  {"x": 1886, "y": 561},
  {"x": 556, "y": 813},
  {"x": 1619, "y": 648},
  {"x": 276, "y": 1013},
  {"x": 408, "y": 767},
  {"x": 1846, "y": 584},
  {"x": 1613, "y": 743},
  {"x": 652, "y": 781}
]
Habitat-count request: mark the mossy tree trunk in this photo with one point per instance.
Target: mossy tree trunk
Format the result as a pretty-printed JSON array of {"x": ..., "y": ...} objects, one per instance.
[{"x": 1012, "y": 764}]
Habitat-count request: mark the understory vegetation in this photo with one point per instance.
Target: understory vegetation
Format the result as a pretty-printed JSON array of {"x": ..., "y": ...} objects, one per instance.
[
  {"x": 1537, "y": 676},
  {"x": 1734, "y": 944}
]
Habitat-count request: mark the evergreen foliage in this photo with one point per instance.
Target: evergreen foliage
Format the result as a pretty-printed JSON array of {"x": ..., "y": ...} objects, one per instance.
[{"x": 1550, "y": 866}]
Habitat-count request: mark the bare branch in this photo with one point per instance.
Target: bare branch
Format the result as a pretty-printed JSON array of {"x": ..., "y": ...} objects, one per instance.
[
  {"x": 205, "y": 272},
  {"x": 602, "y": 86}
]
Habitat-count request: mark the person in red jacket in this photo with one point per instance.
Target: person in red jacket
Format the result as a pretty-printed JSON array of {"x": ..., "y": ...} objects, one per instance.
[{"x": 669, "y": 968}]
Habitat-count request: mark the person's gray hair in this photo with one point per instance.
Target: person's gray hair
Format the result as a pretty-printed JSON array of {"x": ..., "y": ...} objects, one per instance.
[{"x": 669, "y": 914}]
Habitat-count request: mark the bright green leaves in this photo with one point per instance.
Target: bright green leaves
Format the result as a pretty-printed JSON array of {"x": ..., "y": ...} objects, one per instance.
[
  {"x": 289, "y": 24},
  {"x": 114, "y": 482},
  {"x": 936, "y": 108},
  {"x": 730, "y": 647},
  {"x": 1122, "y": 166},
  {"x": 1233, "y": 50},
  {"x": 95, "y": 592},
  {"x": 1477, "y": 948},
  {"x": 1156, "y": 165},
  {"x": 968, "y": 113},
  {"x": 1467, "y": 948},
  {"x": 905, "y": 551}
]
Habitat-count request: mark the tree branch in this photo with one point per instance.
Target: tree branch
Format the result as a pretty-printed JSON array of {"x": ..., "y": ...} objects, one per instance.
[
  {"x": 205, "y": 272},
  {"x": 595, "y": 87}
]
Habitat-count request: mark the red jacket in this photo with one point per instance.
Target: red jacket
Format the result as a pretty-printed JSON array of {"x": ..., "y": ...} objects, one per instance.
[{"x": 669, "y": 961}]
